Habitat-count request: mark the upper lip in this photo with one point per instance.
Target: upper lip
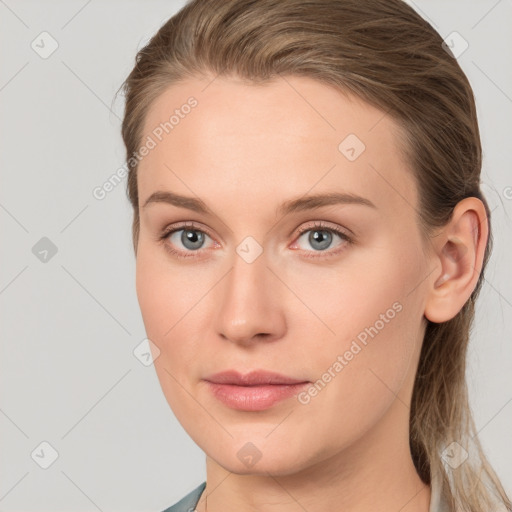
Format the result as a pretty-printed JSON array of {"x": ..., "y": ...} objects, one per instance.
[{"x": 253, "y": 378}]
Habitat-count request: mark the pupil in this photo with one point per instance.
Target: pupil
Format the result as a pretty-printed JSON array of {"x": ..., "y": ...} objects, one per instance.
[
  {"x": 192, "y": 239},
  {"x": 319, "y": 237}
]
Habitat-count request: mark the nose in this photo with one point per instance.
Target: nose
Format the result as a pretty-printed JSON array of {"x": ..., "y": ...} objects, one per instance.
[{"x": 250, "y": 306}]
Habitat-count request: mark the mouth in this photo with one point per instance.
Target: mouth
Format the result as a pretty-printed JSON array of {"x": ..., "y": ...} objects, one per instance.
[{"x": 255, "y": 391}]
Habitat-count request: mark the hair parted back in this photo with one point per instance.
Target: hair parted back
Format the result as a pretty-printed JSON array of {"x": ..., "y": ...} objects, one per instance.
[{"x": 385, "y": 53}]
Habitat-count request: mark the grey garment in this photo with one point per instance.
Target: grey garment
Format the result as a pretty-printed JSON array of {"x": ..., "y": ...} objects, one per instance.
[{"x": 189, "y": 502}]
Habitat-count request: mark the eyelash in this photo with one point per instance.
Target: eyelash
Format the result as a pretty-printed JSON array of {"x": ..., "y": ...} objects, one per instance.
[
  {"x": 321, "y": 226},
  {"x": 316, "y": 226},
  {"x": 172, "y": 229}
]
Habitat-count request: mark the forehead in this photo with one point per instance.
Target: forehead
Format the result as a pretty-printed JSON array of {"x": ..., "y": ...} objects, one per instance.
[
  {"x": 299, "y": 105},
  {"x": 290, "y": 135}
]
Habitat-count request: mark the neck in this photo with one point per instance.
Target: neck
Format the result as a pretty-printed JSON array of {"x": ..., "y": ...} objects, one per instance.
[{"x": 375, "y": 473}]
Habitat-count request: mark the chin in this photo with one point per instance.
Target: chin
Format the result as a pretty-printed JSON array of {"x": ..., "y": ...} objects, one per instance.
[
  {"x": 256, "y": 455},
  {"x": 260, "y": 468}
]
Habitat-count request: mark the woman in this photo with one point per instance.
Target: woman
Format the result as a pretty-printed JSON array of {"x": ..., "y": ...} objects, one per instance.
[{"x": 310, "y": 238}]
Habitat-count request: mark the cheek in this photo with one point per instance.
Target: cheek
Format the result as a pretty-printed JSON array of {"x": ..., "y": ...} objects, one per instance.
[
  {"x": 173, "y": 301},
  {"x": 351, "y": 294},
  {"x": 371, "y": 353},
  {"x": 367, "y": 315},
  {"x": 162, "y": 304},
  {"x": 166, "y": 297},
  {"x": 155, "y": 304},
  {"x": 166, "y": 293}
]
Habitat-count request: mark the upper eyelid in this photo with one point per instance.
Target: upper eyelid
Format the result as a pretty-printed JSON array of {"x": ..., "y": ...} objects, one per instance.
[
  {"x": 323, "y": 225},
  {"x": 193, "y": 225}
]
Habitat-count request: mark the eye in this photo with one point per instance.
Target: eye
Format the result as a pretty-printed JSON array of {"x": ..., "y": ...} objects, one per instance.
[
  {"x": 184, "y": 241},
  {"x": 320, "y": 238},
  {"x": 189, "y": 241}
]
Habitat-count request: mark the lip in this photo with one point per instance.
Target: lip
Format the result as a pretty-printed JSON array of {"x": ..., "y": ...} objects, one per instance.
[
  {"x": 255, "y": 391},
  {"x": 253, "y": 378}
]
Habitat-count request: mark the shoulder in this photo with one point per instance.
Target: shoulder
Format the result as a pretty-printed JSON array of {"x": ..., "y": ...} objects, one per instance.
[{"x": 189, "y": 502}]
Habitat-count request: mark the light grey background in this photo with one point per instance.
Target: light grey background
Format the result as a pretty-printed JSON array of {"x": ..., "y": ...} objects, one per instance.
[{"x": 68, "y": 375}]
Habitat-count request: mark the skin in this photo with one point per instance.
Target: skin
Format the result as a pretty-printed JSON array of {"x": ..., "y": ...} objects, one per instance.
[{"x": 244, "y": 150}]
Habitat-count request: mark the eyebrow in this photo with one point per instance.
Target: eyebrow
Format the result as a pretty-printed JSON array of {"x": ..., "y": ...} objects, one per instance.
[{"x": 303, "y": 203}]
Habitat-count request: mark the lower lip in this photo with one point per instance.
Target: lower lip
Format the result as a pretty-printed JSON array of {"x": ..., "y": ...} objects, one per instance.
[{"x": 254, "y": 398}]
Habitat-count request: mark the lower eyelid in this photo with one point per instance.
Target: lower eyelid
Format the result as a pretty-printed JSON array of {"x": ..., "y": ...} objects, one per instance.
[{"x": 326, "y": 254}]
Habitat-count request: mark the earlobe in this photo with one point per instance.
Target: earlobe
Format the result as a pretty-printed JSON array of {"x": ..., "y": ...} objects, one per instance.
[{"x": 459, "y": 250}]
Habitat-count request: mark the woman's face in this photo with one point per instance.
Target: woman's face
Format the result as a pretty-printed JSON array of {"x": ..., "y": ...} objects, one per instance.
[{"x": 262, "y": 281}]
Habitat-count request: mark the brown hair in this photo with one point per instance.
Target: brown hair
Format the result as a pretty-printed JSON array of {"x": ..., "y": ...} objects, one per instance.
[{"x": 385, "y": 53}]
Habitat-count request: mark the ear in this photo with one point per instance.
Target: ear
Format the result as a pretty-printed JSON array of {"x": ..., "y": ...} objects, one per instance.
[{"x": 459, "y": 249}]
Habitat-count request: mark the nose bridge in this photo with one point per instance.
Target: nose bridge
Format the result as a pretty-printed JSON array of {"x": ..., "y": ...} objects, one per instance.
[{"x": 249, "y": 305}]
